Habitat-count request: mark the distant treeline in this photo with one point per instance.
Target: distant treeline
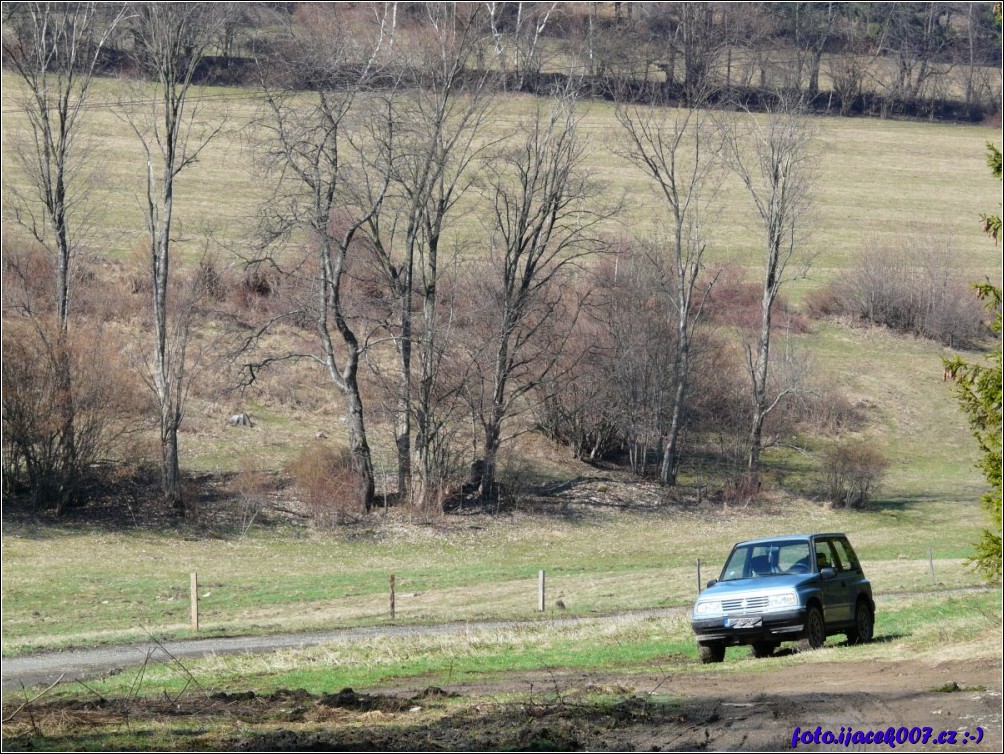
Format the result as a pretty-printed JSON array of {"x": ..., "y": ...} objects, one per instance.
[{"x": 936, "y": 60}]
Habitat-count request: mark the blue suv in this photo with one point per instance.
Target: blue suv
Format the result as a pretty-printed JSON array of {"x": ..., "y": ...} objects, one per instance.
[{"x": 802, "y": 587}]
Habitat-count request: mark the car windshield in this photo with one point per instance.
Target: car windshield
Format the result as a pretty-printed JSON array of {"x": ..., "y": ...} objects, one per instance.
[{"x": 767, "y": 559}]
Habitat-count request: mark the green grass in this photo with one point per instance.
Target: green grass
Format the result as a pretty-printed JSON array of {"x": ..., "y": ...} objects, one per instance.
[
  {"x": 914, "y": 417},
  {"x": 66, "y": 587},
  {"x": 906, "y": 627}
]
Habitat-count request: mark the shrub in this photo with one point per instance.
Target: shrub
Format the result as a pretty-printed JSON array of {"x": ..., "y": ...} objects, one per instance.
[
  {"x": 736, "y": 302},
  {"x": 823, "y": 302},
  {"x": 854, "y": 469},
  {"x": 253, "y": 488},
  {"x": 914, "y": 288},
  {"x": 326, "y": 479},
  {"x": 68, "y": 401},
  {"x": 28, "y": 277}
]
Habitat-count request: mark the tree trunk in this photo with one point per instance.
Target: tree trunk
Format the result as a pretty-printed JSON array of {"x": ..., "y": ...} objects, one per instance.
[
  {"x": 493, "y": 439},
  {"x": 165, "y": 378},
  {"x": 362, "y": 459},
  {"x": 424, "y": 466},
  {"x": 671, "y": 453},
  {"x": 759, "y": 375},
  {"x": 493, "y": 426},
  {"x": 67, "y": 462},
  {"x": 402, "y": 432},
  {"x": 170, "y": 469}
]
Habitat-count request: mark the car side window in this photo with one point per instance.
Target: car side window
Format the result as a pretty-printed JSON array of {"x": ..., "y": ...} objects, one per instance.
[
  {"x": 848, "y": 561},
  {"x": 794, "y": 558},
  {"x": 824, "y": 555}
]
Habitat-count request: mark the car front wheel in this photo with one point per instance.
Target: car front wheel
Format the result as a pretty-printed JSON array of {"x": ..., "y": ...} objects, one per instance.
[
  {"x": 711, "y": 652},
  {"x": 815, "y": 630},
  {"x": 864, "y": 625}
]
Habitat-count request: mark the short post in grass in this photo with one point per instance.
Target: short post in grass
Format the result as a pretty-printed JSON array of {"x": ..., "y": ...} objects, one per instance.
[
  {"x": 392, "y": 606},
  {"x": 194, "y": 589},
  {"x": 542, "y": 577},
  {"x": 698, "y": 575},
  {"x": 930, "y": 560}
]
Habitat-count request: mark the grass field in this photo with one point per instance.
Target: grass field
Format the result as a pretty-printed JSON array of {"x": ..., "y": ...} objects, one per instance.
[
  {"x": 67, "y": 588},
  {"x": 879, "y": 182}
]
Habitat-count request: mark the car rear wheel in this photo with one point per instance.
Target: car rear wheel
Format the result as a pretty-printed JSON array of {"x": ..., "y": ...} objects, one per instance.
[
  {"x": 711, "y": 652},
  {"x": 864, "y": 625},
  {"x": 761, "y": 649},
  {"x": 815, "y": 630}
]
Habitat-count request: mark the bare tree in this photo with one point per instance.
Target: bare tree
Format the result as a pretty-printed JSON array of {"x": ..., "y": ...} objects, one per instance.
[
  {"x": 616, "y": 388},
  {"x": 427, "y": 139},
  {"x": 516, "y": 30},
  {"x": 698, "y": 33},
  {"x": 313, "y": 149},
  {"x": 171, "y": 39},
  {"x": 680, "y": 151},
  {"x": 916, "y": 36},
  {"x": 978, "y": 50},
  {"x": 771, "y": 156},
  {"x": 544, "y": 215},
  {"x": 811, "y": 26},
  {"x": 55, "y": 49}
]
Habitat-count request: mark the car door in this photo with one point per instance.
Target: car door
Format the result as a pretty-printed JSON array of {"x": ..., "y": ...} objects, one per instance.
[
  {"x": 849, "y": 574},
  {"x": 840, "y": 590}
]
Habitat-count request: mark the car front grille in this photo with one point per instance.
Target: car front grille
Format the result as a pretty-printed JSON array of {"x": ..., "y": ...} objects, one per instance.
[{"x": 745, "y": 605}]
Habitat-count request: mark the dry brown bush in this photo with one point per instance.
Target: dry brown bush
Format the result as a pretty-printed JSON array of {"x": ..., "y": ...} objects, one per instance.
[
  {"x": 253, "y": 489},
  {"x": 915, "y": 287},
  {"x": 28, "y": 277},
  {"x": 854, "y": 469},
  {"x": 56, "y": 429},
  {"x": 328, "y": 483},
  {"x": 822, "y": 302},
  {"x": 736, "y": 301}
]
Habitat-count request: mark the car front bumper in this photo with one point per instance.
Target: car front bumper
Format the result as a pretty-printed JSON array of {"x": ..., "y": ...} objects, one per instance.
[{"x": 781, "y": 625}]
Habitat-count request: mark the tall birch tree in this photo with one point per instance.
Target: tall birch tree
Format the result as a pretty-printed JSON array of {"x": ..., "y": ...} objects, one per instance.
[
  {"x": 771, "y": 155},
  {"x": 171, "y": 40},
  {"x": 680, "y": 152}
]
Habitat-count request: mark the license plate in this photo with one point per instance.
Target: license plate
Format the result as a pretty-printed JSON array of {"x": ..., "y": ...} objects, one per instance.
[{"x": 743, "y": 622}]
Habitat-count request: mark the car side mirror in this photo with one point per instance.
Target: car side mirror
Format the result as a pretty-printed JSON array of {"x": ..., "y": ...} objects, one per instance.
[
  {"x": 827, "y": 573},
  {"x": 712, "y": 583}
]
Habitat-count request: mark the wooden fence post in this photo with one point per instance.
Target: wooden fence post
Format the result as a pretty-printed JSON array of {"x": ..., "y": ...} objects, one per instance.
[
  {"x": 194, "y": 588},
  {"x": 930, "y": 560},
  {"x": 392, "y": 606},
  {"x": 698, "y": 575},
  {"x": 540, "y": 591}
]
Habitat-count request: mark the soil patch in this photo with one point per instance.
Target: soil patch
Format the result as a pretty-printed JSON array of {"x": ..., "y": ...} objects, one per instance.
[{"x": 720, "y": 709}]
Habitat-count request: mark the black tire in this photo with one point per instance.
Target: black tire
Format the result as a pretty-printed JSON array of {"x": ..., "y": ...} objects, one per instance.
[
  {"x": 761, "y": 649},
  {"x": 711, "y": 652},
  {"x": 815, "y": 630},
  {"x": 864, "y": 624}
]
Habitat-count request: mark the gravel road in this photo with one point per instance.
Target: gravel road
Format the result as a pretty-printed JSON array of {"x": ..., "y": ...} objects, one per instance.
[{"x": 80, "y": 664}]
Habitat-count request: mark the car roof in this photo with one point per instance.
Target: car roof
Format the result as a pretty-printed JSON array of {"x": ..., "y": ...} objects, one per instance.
[{"x": 789, "y": 537}]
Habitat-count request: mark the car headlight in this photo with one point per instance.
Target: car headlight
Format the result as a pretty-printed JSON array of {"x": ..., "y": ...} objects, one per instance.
[
  {"x": 786, "y": 599},
  {"x": 708, "y": 607}
]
